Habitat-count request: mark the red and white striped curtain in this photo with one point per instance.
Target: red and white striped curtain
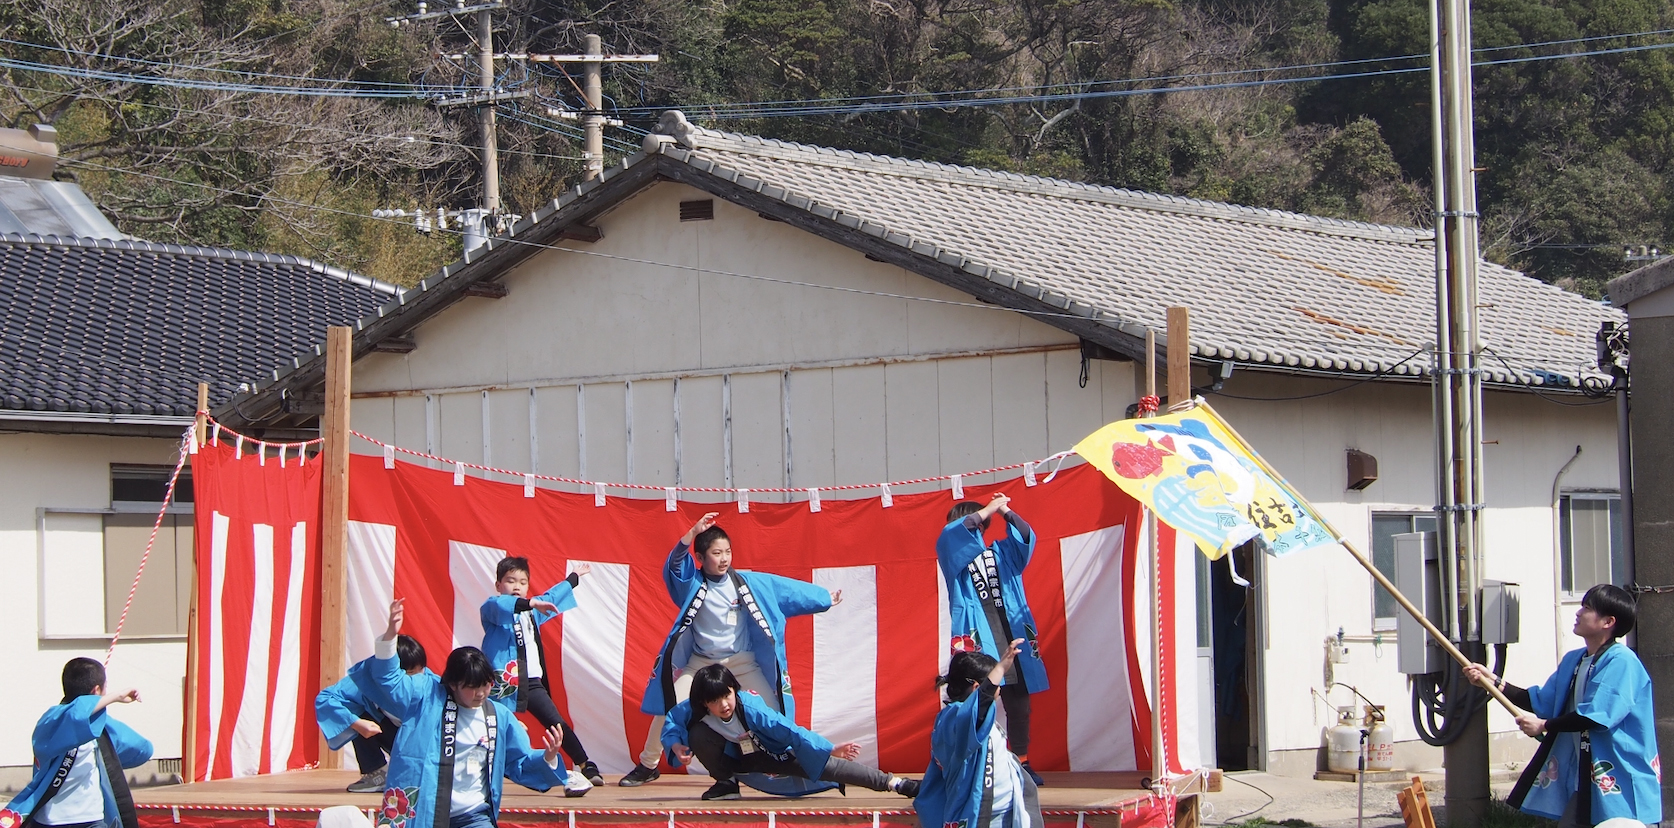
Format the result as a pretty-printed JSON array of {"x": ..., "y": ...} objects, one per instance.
[{"x": 863, "y": 671}]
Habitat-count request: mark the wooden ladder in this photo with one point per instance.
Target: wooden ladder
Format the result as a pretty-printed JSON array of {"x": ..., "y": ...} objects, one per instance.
[{"x": 1415, "y": 805}]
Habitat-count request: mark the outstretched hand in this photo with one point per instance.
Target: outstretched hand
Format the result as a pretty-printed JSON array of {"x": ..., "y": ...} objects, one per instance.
[
  {"x": 583, "y": 568},
  {"x": 554, "y": 737},
  {"x": 998, "y": 674},
  {"x": 397, "y": 614},
  {"x": 118, "y": 697},
  {"x": 543, "y": 606},
  {"x": 836, "y": 597},
  {"x": 847, "y": 750}
]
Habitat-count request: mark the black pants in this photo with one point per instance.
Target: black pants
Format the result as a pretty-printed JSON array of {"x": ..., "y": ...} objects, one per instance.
[
  {"x": 1015, "y": 699},
  {"x": 542, "y": 708},
  {"x": 370, "y": 752},
  {"x": 710, "y": 749}
]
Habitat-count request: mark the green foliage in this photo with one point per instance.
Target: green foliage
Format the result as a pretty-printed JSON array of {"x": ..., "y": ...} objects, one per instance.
[{"x": 1572, "y": 152}]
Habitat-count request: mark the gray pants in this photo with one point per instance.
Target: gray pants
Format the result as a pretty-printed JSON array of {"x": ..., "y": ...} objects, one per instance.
[{"x": 710, "y": 749}]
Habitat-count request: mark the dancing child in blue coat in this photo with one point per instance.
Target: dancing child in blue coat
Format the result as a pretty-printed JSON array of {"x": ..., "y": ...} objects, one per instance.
[
  {"x": 511, "y": 638},
  {"x": 973, "y": 781},
  {"x": 988, "y": 607},
  {"x": 345, "y": 716},
  {"x": 728, "y": 616},
  {"x": 80, "y": 752},
  {"x": 456, "y": 743},
  {"x": 738, "y": 737}
]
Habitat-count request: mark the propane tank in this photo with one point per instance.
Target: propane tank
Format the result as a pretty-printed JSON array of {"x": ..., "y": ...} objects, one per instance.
[
  {"x": 1380, "y": 744},
  {"x": 1342, "y": 742}
]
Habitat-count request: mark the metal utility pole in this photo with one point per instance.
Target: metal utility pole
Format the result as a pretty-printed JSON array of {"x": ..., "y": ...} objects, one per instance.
[{"x": 1457, "y": 387}]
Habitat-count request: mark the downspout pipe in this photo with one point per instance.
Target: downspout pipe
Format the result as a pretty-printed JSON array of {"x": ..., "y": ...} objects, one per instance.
[{"x": 1558, "y": 558}]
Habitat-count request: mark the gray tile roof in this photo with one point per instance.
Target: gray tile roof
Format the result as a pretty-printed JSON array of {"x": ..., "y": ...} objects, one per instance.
[
  {"x": 1263, "y": 286},
  {"x": 121, "y": 327},
  {"x": 1266, "y": 288}
]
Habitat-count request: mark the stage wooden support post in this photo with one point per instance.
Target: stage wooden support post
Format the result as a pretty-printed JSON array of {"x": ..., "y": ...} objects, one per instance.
[
  {"x": 188, "y": 749},
  {"x": 334, "y": 518}
]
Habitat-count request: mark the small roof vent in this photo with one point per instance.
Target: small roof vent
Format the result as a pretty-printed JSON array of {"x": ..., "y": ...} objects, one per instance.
[{"x": 702, "y": 210}]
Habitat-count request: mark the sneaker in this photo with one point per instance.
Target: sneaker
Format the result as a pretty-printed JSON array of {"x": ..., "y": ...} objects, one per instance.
[
  {"x": 576, "y": 785},
  {"x": 1039, "y": 782},
  {"x": 370, "y": 782},
  {"x": 725, "y": 789},
  {"x": 908, "y": 788},
  {"x": 590, "y": 769},
  {"x": 639, "y": 776}
]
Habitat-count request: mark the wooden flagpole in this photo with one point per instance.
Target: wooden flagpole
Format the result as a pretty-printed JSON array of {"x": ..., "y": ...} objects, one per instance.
[
  {"x": 189, "y": 750},
  {"x": 1382, "y": 579},
  {"x": 334, "y": 518}
]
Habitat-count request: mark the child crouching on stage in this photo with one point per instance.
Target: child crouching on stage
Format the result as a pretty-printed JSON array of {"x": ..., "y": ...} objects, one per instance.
[
  {"x": 455, "y": 744},
  {"x": 737, "y": 734},
  {"x": 973, "y": 779},
  {"x": 80, "y": 751},
  {"x": 345, "y": 716}
]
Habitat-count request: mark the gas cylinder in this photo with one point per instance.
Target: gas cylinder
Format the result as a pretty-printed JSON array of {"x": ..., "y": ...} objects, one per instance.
[
  {"x": 1380, "y": 744},
  {"x": 1342, "y": 742}
]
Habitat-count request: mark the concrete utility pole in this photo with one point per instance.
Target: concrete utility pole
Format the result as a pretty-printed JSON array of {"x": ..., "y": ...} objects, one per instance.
[
  {"x": 593, "y": 89},
  {"x": 1457, "y": 387},
  {"x": 485, "y": 114}
]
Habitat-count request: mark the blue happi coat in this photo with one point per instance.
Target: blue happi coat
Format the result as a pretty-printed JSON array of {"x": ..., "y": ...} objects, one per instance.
[
  {"x": 768, "y": 600},
  {"x": 774, "y": 732},
  {"x": 65, "y": 727},
  {"x": 955, "y": 549},
  {"x": 499, "y": 637},
  {"x": 955, "y": 792},
  {"x": 341, "y": 705},
  {"x": 410, "y": 798},
  {"x": 1626, "y": 774}
]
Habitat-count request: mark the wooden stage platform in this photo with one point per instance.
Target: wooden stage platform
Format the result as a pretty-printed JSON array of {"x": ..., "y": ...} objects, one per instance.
[{"x": 294, "y": 800}]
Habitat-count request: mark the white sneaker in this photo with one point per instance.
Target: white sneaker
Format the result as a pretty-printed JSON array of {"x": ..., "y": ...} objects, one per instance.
[{"x": 576, "y": 785}]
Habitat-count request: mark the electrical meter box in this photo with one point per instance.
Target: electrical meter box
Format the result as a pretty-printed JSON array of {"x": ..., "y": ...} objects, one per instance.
[
  {"x": 1500, "y": 614},
  {"x": 1418, "y": 576}
]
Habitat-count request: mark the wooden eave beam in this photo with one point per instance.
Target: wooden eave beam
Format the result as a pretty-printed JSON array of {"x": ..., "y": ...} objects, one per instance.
[{"x": 488, "y": 290}]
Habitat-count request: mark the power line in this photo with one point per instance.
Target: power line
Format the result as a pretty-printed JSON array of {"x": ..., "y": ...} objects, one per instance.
[{"x": 295, "y": 125}]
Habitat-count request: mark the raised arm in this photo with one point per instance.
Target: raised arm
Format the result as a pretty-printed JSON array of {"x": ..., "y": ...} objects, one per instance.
[
  {"x": 961, "y": 541},
  {"x": 383, "y": 681},
  {"x": 1018, "y": 546},
  {"x": 799, "y": 597}
]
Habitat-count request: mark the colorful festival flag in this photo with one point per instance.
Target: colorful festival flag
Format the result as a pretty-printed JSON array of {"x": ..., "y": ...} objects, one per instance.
[{"x": 1199, "y": 477}]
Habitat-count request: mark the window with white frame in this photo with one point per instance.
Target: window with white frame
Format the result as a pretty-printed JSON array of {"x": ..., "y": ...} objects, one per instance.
[
  {"x": 1385, "y": 527},
  {"x": 1590, "y": 541},
  {"x": 83, "y": 550}
]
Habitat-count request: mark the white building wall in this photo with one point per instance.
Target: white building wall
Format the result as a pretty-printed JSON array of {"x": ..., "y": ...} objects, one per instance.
[
  {"x": 1308, "y": 596},
  {"x": 601, "y": 367},
  {"x": 72, "y": 473}
]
